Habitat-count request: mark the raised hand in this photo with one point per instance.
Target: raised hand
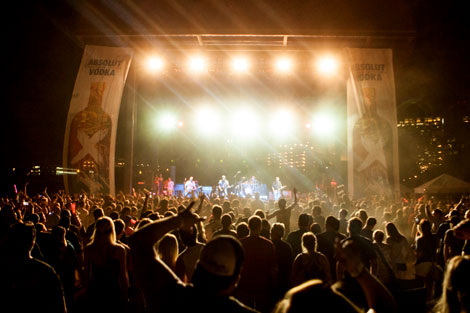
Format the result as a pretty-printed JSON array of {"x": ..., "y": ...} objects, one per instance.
[{"x": 188, "y": 218}]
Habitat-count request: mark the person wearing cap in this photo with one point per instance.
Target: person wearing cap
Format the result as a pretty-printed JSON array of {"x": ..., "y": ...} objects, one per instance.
[{"x": 215, "y": 277}]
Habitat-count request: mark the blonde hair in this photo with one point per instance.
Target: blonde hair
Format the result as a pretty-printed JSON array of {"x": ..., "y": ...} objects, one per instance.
[
  {"x": 167, "y": 250},
  {"x": 104, "y": 232}
]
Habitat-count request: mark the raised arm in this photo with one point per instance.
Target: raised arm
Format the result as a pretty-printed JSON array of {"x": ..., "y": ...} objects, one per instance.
[{"x": 144, "y": 208}]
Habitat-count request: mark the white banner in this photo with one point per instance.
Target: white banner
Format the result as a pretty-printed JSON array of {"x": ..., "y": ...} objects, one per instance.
[
  {"x": 90, "y": 134},
  {"x": 372, "y": 123}
]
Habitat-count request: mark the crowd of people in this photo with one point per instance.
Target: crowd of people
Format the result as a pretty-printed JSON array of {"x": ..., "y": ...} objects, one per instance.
[{"x": 314, "y": 252}]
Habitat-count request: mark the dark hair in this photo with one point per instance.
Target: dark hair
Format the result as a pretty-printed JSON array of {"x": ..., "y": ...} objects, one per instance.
[
  {"x": 315, "y": 228},
  {"x": 303, "y": 220},
  {"x": 21, "y": 237},
  {"x": 425, "y": 227},
  {"x": 371, "y": 221},
  {"x": 65, "y": 222},
  {"x": 242, "y": 230},
  {"x": 355, "y": 225},
  {"x": 393, "y": 233},
  {"x": 114, "y": 215},
  {"x": 332, "y": 222},
  {"x": 278, "y": 229},
  {"x": 216, "y": 211},
  {"x": 254, "y": 223},
  {"x": 226, "y": 220},
  {"x": 378, "y": 236},
  {"x": 119, "y": 226},
  {"x": 260, "y": 213},
  {"x": 97, "y": 213}
]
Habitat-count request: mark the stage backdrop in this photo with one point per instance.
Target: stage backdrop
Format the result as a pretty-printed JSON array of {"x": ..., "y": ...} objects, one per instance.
[
  {"x": 372, "y": 123},
  {"x": 90, "y": 134}
]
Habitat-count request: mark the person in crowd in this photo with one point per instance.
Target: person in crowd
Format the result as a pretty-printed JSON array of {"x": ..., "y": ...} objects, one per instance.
[
  {"x": 106, "y": 277},
  {"x": 327, "y": 240},
  {"x": 384, "y": 268},
  {"x": 369, "y": 227},
  {"x": 97, "y": 213},
  {"x": 226, "y": 222},
  {"x": 343, "y": 222},
  {"x": 27, "y": 284},
  {"x": 452, "y": 245},
  {"x": 187, "y": 259},
  {"x": 310, "y": 264},
  {"x": 242, "y": 230},
  {"x": 63, "y": 258},
  {"x": 214, "y": 222},
  {"x": 284, "y": 258},
  {"x": 284, "y": 213},
  {"x": 295, "y": 238},
  {"x": 259, "y": 272},
  {"x": 167, "y": 250},
  {"x": 315, "y": 228},
  {"x": 265, "y": 229},
  {"x": 455, "y": 296},
  {"x": 426, "y": 247},
  {"x": 215, "y": 277},
  {"x": 329, "y": 299},
  {"x": 318, "y": 217},
  {"x": 402, "y": 256}
]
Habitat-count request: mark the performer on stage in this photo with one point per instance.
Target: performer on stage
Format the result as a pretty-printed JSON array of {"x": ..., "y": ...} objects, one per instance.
[
  {"x": 169, "y": 187},
  {"x": 277, "y": 189},
  {"x": 189, "y": 186},
  {"x": 223, "y": 186}
]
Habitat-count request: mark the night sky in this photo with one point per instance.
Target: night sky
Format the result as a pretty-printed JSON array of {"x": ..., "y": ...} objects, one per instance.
[{"x": 42, "y": 52}]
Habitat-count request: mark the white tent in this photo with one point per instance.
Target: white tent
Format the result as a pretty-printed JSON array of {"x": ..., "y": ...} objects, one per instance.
[{"x": 444, "y": 184}]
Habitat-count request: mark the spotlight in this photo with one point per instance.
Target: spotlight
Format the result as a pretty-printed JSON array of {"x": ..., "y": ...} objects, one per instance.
[
  {"x": 197, "y": 64},
  {"x": 324, "y": 124},
  {"x": 167, "y": 122},
  {"x": 240, "y": 65},
  {"x": 282, "y": 123},
  {"x": 208, "y": 122},
  {"x": 327, "y": 65},
  {"x": 283, "y": 65},
  {"x": 155, "y": 64},
  {"x": 244, "y": 124}
]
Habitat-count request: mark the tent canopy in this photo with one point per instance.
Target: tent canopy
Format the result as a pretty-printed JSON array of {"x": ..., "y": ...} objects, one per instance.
[{"x": 444, "y": 184}]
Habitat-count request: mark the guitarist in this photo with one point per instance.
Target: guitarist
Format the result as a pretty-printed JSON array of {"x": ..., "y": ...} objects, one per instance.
[
  {"x": 189, "y": 186},
  {"x": 277, "y": 188},
  {"x": 223, "y": 186}
]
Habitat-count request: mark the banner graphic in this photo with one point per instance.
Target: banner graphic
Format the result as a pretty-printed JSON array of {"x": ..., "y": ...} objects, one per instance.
[
  {"x": 90, "y": 134},
  {"x": 372, "y": 123}
]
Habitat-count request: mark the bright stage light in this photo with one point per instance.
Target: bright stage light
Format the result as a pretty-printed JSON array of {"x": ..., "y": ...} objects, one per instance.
[
  {"x": 208, "y": 122},
  {"x": 327, "y": 65},
  {"x": 324, "y": 124},
  {"x": 283, "y": 65},
  {"x": 197, "y": 64},
  {"x": 240, "y": 65},
  {"x": 244, "y": 124},
  {"x": 282, "y": 123},
  {"x": 155, "y": 64},
  {"x": 167, "y": 122}
]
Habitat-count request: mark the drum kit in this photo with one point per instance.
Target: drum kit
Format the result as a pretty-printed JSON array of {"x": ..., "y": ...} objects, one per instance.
[{"x": 247, "y": 187}]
